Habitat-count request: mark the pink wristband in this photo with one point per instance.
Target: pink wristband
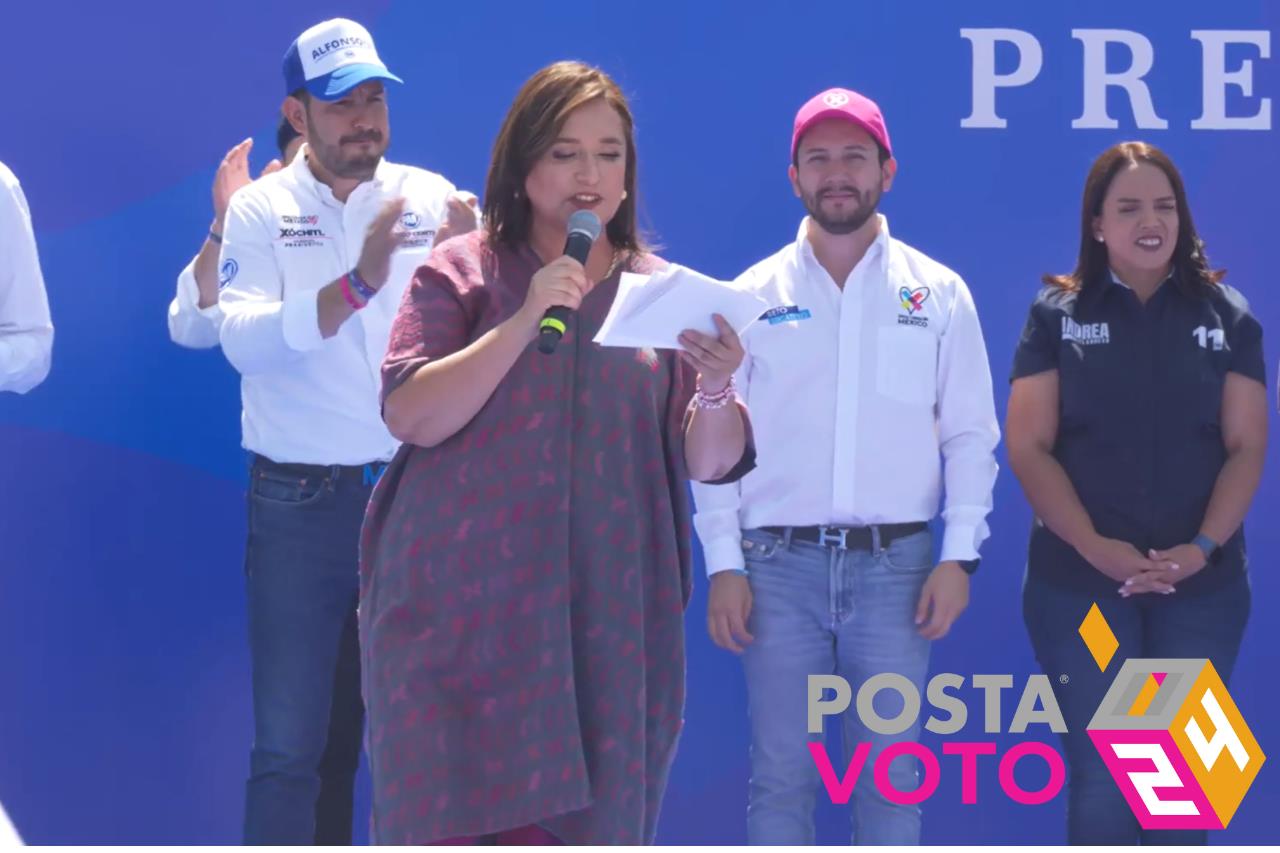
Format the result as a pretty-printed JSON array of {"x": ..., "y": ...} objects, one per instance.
[{"x": 345, "y": 287}]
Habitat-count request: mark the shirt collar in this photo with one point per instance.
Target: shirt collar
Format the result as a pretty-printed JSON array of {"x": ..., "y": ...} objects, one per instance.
[
  {"x": 303, "y": 175},
  {"x": 1115, "y": 279},
  {"x": 877, "y": 252},
  {"x": 1096, "y": 290}
]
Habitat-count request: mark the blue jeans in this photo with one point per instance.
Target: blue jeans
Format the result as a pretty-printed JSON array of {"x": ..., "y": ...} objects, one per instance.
[
  {"x": 819, "y": 610},
  {"x": 302, "y": 577},
  {"x": 1152, "y": 625}
]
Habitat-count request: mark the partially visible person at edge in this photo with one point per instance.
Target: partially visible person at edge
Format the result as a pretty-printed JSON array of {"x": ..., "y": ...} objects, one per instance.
[
  {"x": 26, "y": 331},
  {"x": 1137, "y": 426},
  {"x": 526, "y": 557},
  {"x": 315, "y": 258}
]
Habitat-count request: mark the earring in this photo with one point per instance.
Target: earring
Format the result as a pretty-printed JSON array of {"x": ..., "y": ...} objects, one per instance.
[
  {"x": 1098, "y": 237},
  {"x": 624, "y": 195}
]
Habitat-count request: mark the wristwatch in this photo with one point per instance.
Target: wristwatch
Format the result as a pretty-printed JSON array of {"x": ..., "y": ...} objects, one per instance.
[{"x": 1207, "y": 545}]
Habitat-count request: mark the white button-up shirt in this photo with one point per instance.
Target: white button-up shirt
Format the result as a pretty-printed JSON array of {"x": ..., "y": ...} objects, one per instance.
[
  {"x": 307, "y": 399},
  {"x": 865, "y": 402},
  {"x": 26, "y": 332},
  {"x": 8, "y": 835},
  {"x": 189, "y": 324}
]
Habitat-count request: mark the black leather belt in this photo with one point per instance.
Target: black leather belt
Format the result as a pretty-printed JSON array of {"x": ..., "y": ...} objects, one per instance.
[{"x": 849, "y": 538}]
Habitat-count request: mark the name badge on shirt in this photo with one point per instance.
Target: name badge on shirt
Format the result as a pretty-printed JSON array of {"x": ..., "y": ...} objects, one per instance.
[{"x": 783, "y": 313}]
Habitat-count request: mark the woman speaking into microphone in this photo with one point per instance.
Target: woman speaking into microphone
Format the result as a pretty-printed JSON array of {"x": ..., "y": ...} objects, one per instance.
[{"x": 526, "y": 556}]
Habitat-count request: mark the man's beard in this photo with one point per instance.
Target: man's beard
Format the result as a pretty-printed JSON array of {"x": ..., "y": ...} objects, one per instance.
[
  {"x": 850, "y": 220},
  {"x": 359, "y": 167}
]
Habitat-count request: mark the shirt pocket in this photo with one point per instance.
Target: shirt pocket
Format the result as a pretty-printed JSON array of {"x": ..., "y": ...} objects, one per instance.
[{"x": 907, "y": 365}]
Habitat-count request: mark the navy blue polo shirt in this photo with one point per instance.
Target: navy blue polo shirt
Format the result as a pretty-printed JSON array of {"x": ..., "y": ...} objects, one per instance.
[{"x": 1139, "y": 415}]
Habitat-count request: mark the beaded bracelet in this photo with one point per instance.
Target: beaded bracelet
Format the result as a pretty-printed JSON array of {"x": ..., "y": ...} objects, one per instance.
[
  {"x": 718, "y": 400},
  {"x": 366, "y": 292},
  {"x": 345, "y": 286}
]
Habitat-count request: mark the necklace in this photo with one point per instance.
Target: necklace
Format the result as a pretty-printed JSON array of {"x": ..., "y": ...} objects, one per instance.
[{"x": 614, "y": 263}]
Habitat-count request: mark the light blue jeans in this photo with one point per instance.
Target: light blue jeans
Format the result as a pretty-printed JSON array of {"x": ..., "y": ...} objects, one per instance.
[{"x": 820, "y": 610}]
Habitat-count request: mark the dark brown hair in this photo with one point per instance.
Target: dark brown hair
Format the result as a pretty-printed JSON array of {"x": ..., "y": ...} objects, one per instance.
[
  {"x": 534, "y": 121},
  {"x": 285, "y": 134},
  {"x": 1190, "y": 265}
]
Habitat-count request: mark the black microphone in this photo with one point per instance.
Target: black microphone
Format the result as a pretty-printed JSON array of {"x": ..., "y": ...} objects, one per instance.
[{"x": 584, "y": 228}]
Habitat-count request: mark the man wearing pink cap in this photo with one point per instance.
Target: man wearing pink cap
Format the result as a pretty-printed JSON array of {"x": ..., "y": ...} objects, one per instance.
[{"x": 870, "y": 392}]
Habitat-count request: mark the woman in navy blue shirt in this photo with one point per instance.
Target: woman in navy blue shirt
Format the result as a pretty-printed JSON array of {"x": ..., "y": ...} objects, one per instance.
[{"x": 1137, "y": 426}]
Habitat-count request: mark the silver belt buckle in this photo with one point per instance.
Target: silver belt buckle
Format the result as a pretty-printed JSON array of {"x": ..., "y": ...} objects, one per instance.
[{"x": 834, "y": 537}]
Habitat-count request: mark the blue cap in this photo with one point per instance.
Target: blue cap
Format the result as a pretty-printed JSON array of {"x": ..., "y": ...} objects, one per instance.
[{"x": 332, "y": 58}]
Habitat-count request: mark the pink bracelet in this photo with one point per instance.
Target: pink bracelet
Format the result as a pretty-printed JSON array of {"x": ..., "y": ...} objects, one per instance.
[
  {"x": 345, "y": 287},
  {"x": 718, "y": 400}
]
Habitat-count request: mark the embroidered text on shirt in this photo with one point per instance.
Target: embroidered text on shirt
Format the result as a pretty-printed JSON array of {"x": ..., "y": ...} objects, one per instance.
[
  {"x": 299, "y": 231},
  {"x": 417, "y": 236},
  {"x": 1086, "y": 334}
]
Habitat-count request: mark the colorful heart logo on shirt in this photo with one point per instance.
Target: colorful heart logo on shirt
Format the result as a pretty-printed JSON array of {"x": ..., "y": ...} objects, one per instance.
[{"x": 913, "y": 300}]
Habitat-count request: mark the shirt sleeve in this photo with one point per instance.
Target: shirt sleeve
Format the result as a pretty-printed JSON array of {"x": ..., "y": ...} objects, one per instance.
[
  {"x": 968, "y": 431},
  {"x": 432, "y": 322},
  {"x": 189, "y": 324},
  {"x": 1246, "y": 343},
  {"x": 462, "y": 195},
  {"x": 1038, "y": 347},
  {"x": 26, "y": 331},
  {"x": 262, "y": 327},
  {"x": 717, "y": 505}
]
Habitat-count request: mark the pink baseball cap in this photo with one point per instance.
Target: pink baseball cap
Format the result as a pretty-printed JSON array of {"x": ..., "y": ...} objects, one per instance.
[{"x": 843, "y": 104}]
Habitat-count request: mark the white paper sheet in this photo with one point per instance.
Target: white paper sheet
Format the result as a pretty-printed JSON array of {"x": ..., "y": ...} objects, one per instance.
[{"x": 652, "y": 311}]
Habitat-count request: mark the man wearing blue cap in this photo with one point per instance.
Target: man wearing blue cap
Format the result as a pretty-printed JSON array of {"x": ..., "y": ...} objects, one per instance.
[{"x": 315, "y": 258}]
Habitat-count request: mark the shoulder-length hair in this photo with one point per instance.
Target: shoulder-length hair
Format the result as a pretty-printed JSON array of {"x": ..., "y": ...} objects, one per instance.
[
  {"x": 532, "y": 124},
  {"x": 1190, "y": 264}
]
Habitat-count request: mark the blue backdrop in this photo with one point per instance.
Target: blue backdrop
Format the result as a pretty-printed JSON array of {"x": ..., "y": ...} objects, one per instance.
[{"x": 124, "y": 705}]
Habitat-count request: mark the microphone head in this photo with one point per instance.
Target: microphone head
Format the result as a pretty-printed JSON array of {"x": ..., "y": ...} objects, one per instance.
[{"x": 585, "y": 222}]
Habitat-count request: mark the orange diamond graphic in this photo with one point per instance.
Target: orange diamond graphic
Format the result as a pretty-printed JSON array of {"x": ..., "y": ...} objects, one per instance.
[{"x": 1097, "y": 636}]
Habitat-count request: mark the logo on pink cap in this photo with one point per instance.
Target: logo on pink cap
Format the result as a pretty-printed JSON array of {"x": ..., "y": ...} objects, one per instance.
[{"x": 842, "y": 104}]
